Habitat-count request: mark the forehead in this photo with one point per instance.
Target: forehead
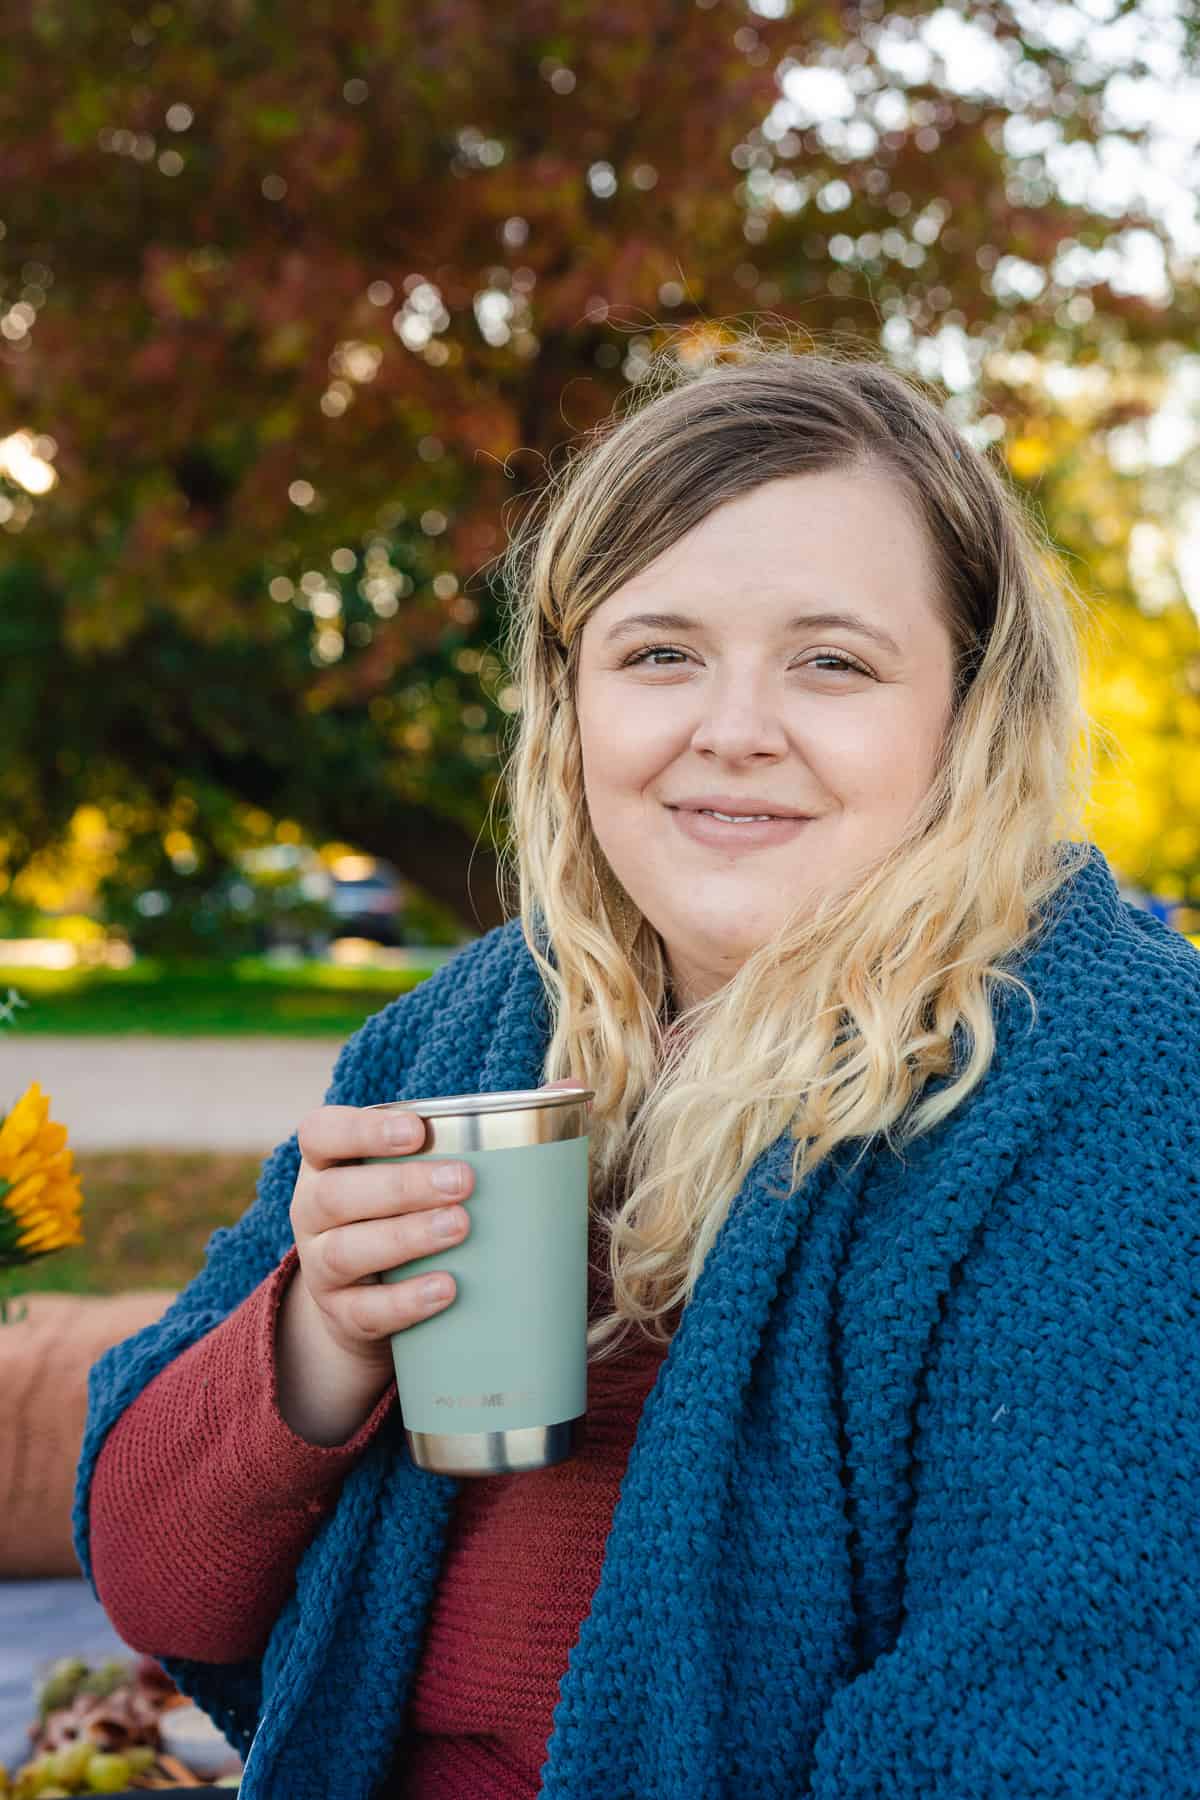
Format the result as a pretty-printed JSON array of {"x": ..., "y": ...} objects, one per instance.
[{"x": 838, "y": 539}]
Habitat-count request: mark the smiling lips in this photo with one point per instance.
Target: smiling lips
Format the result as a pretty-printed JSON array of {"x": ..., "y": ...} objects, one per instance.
[
  {"x": 735, "y": 806},
  {"x": 736, "y": 831}
]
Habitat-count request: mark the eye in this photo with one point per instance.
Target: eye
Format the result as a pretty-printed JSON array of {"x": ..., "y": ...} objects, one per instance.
[
  {"x": 641, "y": 656},
  {"x": 830, "y": 659},
  {"x": 826, "y": 657}
]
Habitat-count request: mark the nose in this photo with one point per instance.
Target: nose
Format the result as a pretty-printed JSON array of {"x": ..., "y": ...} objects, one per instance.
[{"x": 739, "y": 717}]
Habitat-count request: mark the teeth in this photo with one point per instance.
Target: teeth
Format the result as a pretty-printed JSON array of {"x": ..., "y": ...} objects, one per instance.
[{"x": 737, "y": 818}]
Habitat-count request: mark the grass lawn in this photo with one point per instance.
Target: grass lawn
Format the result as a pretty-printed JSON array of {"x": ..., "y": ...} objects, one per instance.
[
  {"x": 248, "y": 996},
  {"x": 147, "y": 1216}
]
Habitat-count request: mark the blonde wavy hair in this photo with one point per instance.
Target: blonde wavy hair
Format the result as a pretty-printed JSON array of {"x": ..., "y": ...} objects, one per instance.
[{"x": 833, "y": 1028}]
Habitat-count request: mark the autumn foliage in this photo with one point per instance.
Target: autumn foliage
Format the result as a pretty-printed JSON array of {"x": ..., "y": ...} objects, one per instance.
[{"x": 298, "y": 303}]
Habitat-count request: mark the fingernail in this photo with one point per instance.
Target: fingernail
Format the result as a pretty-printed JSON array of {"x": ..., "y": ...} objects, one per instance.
[
  {"x": 449, "y": 1178},
  {"x": 435, "y": 1290},
  {"x": 447, "y": 1223},
  {"x": 401, "y": 1131}
]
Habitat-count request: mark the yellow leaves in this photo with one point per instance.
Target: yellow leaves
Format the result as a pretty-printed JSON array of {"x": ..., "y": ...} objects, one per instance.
[
  {"x": 1180, "y": 846},
  {"x": 1187, "y": 778},
  {"x": 90, "y": 828},
  {"x": 178, "y": 845},
  {"x": 40, "y": 1197},
  {"x": 1145, "y": 810},
  {"x": 1110, "y": 574},
  {"x": 64, "y": 877},
  {"x": 1123, "y": 697},
  {"x": 1027, "y": 457}
]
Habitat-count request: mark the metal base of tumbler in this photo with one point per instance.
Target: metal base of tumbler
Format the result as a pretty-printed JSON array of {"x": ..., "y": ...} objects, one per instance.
[{"x": 496, "y": 1452}]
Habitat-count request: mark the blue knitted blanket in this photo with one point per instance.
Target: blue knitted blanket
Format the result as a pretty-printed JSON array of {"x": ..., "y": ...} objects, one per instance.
[{"x": 914, "y": 1506}]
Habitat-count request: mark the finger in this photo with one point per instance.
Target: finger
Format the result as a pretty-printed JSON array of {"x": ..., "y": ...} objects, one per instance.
[
  {"x": 342, "y": 1194},
  {"x": 350, "y": 1253},
  {"x": 333, "y": 1134},
  {"x": 376, "y": 1312},
  {"x": 568, "y": 1081}
]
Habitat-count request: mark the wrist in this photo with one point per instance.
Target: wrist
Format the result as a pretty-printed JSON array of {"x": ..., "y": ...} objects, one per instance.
[{"x": 324, "y": 1391}]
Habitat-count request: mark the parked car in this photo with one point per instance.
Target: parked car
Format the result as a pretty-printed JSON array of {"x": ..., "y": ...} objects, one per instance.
[
  {"x": 356, "y": 896},
  {"x": 276, "y": 897},
  {"x": 366, "y": 898}
]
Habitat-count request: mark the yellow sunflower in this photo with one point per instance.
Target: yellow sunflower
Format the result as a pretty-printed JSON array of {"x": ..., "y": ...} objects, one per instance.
[{"x": 40, "y": 1196}]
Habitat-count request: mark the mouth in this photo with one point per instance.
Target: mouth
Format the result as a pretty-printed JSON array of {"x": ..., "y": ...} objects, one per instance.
[
  {"x": 732, "y": 830},
  {"x": 710, "y": 812}
]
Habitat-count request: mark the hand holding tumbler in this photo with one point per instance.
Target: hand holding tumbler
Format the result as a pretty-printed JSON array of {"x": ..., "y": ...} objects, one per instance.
[{"x": 497, "y": 1381}]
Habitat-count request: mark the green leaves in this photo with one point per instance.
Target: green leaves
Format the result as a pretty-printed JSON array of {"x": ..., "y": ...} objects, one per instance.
[{"x": 275, "y": 124}]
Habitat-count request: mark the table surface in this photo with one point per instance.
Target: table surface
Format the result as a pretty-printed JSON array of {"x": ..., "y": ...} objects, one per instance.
[{"x": 40, "y": 1621}]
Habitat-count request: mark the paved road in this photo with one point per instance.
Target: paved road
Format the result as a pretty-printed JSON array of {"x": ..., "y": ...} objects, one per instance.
[{"x": 141, "y": 1092}]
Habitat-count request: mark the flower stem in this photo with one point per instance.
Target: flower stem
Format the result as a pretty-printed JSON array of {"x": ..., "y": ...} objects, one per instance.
[{"x": 10, "y": 1314}]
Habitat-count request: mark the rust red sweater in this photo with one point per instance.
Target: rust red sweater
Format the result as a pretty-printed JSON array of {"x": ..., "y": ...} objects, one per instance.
[{"x": 204, "y": 1500}]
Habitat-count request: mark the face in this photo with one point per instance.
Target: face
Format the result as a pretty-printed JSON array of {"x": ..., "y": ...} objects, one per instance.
[{"x": 803, "y": 672}]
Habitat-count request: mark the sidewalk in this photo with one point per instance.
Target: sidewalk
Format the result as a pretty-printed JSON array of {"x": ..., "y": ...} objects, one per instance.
[{"x": 141, "y": 1092}]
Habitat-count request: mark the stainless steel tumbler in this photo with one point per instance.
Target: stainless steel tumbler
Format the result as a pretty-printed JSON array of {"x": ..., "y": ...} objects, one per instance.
[{"x": 497, "y": 1382}]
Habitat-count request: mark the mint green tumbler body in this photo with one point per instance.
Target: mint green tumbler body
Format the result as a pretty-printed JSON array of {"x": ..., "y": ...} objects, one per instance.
[{"x": 497, "y": 1382}]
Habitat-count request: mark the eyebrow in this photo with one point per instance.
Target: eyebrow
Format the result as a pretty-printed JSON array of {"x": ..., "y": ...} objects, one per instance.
[{"x": 825, "y": 621}]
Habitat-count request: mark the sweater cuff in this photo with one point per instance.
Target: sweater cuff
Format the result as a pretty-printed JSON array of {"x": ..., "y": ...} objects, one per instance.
[{"x": 312, "y": 1469}]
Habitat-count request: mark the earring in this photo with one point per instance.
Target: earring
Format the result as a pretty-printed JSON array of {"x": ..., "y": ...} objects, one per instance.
[{"x": 623, "y": 916}]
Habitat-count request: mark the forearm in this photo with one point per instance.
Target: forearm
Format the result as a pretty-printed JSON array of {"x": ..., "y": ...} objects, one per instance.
[{"x": 204, "y": 1498}]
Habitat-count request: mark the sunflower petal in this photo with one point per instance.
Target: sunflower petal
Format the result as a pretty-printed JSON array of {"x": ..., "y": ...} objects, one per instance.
[
  {"x": 40, "y": 1197},
  {"x": 22, "y": 1124},
  {"x": 51, "y": 1138}
]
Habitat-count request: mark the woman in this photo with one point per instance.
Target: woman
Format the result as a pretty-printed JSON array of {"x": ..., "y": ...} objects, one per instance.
[{"x": 895, "y": 1144}]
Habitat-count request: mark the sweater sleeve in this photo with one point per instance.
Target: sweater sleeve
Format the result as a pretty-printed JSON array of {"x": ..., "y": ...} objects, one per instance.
[
  {"x": 204, "y": 1499},
  {"x": 424, "y": 1036}
]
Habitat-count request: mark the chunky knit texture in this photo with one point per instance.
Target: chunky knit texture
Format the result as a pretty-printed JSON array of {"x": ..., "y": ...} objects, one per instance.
[
  {"x": 914, "y": 1505},
  {"x": 204, "y": 1500}
]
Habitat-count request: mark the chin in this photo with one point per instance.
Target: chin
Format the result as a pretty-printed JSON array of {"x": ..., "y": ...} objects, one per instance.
[{"x": 721, "y": 952}]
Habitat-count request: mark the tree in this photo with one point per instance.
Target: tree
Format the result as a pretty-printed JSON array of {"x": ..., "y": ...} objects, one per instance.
[
  {"x": 298, "y": 307},
  {"x": 1084, "y": 457}
]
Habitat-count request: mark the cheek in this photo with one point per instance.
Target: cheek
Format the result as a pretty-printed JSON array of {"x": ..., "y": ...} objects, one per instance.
[
  {"x": 625, "y": 744},
  {"x": 878, "y": 760}
]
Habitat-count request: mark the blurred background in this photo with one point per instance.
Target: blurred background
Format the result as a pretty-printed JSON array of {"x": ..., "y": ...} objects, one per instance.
[{"x": 295, "y": 308}]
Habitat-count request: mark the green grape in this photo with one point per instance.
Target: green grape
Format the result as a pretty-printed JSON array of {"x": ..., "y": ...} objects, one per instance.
[
  {"x": 35, "y": 1776},
  {"x": 54, "y": 1793},
  {"x": 108, "y": 1773},
  {"x": 62, "y": 1683},
  {"x": 141, "y": 1757},
  {"x": 69, "y": 1765},
  {"x": 103, "y": 1681}
]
